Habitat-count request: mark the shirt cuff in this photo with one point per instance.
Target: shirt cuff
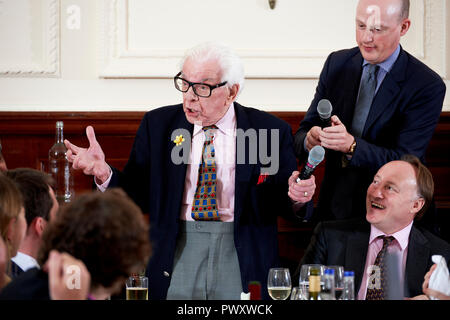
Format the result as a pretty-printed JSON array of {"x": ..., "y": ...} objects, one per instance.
[
  {"x": 104, "y": 186},
  {"x": 304, "y": 145}
]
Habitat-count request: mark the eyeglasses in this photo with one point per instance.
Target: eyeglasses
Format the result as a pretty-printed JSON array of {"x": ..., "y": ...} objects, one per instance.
[{"x": 200, "y": 89}]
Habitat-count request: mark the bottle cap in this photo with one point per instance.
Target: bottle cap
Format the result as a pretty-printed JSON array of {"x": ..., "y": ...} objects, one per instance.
[
  {"x": 349, "y": 274},
  {"x": 329, "y": 271}
]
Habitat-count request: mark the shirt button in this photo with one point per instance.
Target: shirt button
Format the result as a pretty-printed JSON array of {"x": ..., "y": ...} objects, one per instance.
[{"x": 166, "y": 274}]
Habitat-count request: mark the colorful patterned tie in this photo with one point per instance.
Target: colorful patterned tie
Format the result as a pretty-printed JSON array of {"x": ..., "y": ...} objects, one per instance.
[
  {"x": 378, "y": 293},
  {"x": 204, "y": 206}
]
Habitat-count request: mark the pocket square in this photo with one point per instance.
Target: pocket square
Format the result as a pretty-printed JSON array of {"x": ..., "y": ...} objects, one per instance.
[{"x": 262, "y": 177}]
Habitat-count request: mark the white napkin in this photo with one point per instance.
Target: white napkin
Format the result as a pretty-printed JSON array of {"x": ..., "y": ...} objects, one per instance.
[
  {"x": 440, "y": 278},
  {"x": 245, "y": 296}
]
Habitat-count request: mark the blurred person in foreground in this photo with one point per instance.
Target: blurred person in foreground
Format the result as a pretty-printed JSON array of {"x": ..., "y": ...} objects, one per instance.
[
  {"x": 399, "y": 193},
  {"x": 105, "y": 231},
  {"x": 3, "y": 166},
  {"x": 13, "y": 224},
  {"x": 41, "y": 207},
  {"x": 213, "y": 176},
  {"x": 57, "y": 267}
]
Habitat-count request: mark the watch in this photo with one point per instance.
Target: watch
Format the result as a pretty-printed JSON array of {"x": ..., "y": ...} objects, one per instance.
[{"x": 351, "y": 150}]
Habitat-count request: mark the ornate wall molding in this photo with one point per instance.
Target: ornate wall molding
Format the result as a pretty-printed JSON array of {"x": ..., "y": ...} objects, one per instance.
[
  {"x": 40, "y": 59},
  {"x": 122, "y": 58}
]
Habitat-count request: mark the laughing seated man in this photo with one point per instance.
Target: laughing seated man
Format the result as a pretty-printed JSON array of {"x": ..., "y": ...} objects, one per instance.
[{"x": 399, "y": 194}]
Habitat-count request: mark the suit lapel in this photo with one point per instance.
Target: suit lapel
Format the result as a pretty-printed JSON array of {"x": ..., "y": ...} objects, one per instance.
[
  {"x": 388, "y": 90},
  {"x": 243, "y": 171},
  {"x": 356, "y": 252},
  {"x": 416, "y": 261},
  {"x": 351, "y": 81},
  {"x": 177, "y": 172}
]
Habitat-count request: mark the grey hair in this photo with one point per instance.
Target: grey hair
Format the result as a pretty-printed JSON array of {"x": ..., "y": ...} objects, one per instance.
[{"x": 230, "y": 63}]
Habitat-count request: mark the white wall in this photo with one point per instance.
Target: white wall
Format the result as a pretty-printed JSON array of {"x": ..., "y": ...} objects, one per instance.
[{"x": 104, "y": 55}]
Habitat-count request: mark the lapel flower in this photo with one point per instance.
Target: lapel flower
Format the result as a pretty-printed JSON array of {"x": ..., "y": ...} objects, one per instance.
[{"x": 178, "y": 140}]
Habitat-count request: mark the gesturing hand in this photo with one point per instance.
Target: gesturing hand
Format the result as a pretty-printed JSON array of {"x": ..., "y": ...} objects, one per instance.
[{"x": 90, "y": 160}]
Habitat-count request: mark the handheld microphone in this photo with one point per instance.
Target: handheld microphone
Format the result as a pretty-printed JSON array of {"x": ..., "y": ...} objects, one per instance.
[
  {"x": 324, "y": 110},
  {"x": 316, "y": 155}
]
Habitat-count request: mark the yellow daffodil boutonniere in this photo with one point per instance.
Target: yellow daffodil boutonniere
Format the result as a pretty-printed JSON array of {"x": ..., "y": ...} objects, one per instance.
[{"x": 179, "y": 140}]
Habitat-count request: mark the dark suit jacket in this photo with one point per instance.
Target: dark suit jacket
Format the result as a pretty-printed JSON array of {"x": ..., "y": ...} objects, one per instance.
[
  {"x": 157, "y": 184},
  {"x": 345, "y": 243},
  {"x": 30, "y": 285},
  {"x": 402, "y": 119},
  {"x": 15, "y": 270}
]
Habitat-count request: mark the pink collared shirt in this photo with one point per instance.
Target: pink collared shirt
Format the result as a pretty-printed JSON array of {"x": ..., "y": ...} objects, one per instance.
[
  {"x": 225, "y": 158},
  {"x": 398, "y": 247}
]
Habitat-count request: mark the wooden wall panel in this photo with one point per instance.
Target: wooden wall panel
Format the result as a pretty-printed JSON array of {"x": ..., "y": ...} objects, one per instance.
[{"x": 26, "y": 138}]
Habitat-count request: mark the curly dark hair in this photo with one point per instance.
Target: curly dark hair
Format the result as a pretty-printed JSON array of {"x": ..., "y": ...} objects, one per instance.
[
  {"x": 106, "y": 231},
  {"x": 34, "y": 186}
]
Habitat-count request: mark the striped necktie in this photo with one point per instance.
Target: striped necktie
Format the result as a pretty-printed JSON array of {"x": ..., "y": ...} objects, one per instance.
[
  {"x": 374, "y": 293},
  {"x": 204, "y": 206}
]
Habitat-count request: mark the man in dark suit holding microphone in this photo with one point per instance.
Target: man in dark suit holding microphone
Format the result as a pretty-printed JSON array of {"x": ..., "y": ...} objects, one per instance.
[
  {"x": 202, "y": 171},
  {"x": 385, "y": 102}
]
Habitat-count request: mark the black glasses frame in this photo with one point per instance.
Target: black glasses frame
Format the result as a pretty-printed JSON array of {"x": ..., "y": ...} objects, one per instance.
[{"x": 191, "y": 84}]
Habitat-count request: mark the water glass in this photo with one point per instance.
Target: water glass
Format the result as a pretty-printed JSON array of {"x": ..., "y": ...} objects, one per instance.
[
  {"x": 297, "y": 294},
  {"x": 338, "y": 279},
  {"x": 137, "y": 288}
]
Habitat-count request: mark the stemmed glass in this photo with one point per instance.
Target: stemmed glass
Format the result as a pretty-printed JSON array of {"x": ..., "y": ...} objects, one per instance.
[
  {"x": 304, "y": 278},
  {"x": 338, "y": 279},
  {"x": 279, "y": 283}
]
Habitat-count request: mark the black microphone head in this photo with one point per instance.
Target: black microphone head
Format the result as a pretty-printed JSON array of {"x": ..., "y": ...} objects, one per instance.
[
  {"x": 316, "y": 156},
  {"x": 324, "y": 109}
]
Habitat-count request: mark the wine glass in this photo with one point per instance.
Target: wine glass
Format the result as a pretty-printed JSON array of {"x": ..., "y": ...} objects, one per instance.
[
  {"x": 279, "y": 283},
  {"x": 338, "y": 279},
  {"x": 305, "y": 271},
  {"x": 296, "y": 294}
]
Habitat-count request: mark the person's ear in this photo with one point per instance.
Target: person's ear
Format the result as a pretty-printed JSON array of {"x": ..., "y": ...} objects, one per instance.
[
  {"x": 232, "y": 93},
  {"x": 10, "y": 230},
  {"x": 417, "y": 205},
  {"x": 39, "y": 225},
  {"x": 406, "y": 23}
]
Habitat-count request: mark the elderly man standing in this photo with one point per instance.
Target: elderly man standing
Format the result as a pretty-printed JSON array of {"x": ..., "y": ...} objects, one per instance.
[
  {"x": 399, "y": 193},
  {"x": 202, "y": 171},
  {"x": 386, "y": 103}
]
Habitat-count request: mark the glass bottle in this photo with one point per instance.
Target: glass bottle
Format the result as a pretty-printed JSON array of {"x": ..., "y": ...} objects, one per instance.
[
  {"x": 60, "y": 168},
  {"x": 314, "y": 284},
  {"x": 349, "y": 286},
  {"x": 328, "y": 288}
]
